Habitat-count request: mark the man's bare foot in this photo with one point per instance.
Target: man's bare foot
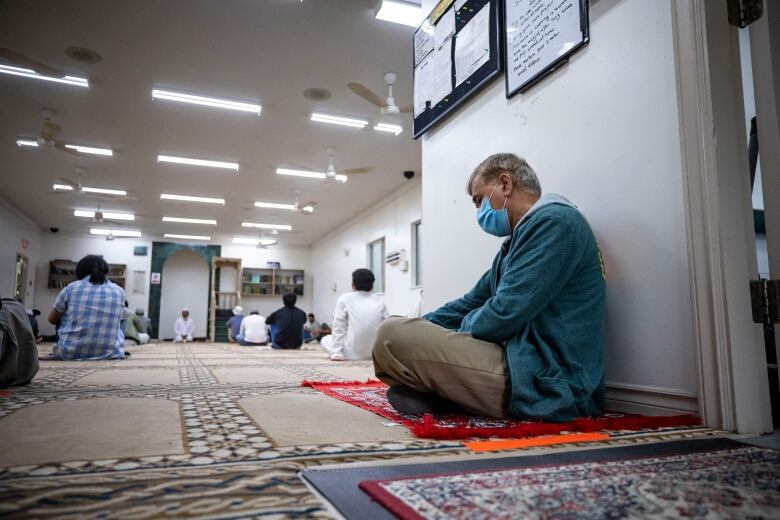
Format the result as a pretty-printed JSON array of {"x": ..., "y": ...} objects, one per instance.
[{"x": 337, "y": 357}]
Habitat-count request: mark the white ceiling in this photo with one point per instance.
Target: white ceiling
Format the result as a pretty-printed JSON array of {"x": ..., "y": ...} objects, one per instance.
[{"x": 254, "y": 50}]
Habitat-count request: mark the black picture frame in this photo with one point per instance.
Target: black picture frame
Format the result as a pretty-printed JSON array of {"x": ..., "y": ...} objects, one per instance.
[
  {"x": 553, "y": 66},
  {"x": 479, "y": 79}
]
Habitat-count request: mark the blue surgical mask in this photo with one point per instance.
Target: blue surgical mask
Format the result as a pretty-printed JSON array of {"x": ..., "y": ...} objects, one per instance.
[{"x": 494, "y": 221}]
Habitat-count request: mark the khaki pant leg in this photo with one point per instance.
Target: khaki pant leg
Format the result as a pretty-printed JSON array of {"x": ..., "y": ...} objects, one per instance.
[{"x": 430, "y": 358}]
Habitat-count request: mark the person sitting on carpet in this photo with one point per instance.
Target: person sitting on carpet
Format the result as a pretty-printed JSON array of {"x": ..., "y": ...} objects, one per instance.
[
  {"x": 528, "y": 340},
  {"x": 18, "y": 350},
  {"x": 234, "y": 324},
  {"x": 131, "y": 327},
  {"x": 88, "y": 314},
  {"x": 252, "y": 331},
  {"x": 143, "y": 323},
  {"x": 355, "y": 321},
  {"x": 287, "y": 324},
  {"x": 184, "y": 327},
  {"x": 311, "y": 329}
]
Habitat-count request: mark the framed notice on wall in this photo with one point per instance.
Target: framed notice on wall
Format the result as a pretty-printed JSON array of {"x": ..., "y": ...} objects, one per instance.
[
  {"x": 457, "y": 51},
  {"x": 541, "y": 35}
]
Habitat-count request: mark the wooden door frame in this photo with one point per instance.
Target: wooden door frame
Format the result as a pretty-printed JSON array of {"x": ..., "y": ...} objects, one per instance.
[{"x": 731, "y": 367}]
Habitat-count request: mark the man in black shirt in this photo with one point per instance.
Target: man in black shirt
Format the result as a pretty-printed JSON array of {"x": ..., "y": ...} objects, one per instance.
[{"x": 287, "y": 324}]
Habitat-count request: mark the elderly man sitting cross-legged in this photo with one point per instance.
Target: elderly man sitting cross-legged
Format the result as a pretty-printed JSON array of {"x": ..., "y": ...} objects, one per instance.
[{"x": 527, "y": 341}]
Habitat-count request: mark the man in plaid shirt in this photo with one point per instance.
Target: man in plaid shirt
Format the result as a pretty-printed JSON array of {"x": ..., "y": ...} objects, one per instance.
[{"x": 88, "y": 314}]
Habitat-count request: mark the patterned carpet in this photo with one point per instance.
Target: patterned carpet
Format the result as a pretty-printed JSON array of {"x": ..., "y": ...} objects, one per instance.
[{"x": 197, "y": 430}]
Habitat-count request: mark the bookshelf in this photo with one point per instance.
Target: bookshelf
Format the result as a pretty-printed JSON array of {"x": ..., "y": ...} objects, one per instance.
[
  {"x": 271, "y": 282},
  {"x": 62, "y": 272}
]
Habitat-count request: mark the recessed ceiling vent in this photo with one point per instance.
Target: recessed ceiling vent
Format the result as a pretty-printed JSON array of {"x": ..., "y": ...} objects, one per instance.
[
  {"x": 83, "y": 55},
  {"x": 316, "y": 94}
]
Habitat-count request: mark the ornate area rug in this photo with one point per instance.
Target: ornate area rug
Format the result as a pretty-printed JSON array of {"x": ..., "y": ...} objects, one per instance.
[
  {"x": 741, "y": 482},
  {"x": 370, "y": 395}
]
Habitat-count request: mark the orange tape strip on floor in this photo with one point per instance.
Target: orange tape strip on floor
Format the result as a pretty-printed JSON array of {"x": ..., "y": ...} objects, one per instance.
[{"x": 535, "y": 441}]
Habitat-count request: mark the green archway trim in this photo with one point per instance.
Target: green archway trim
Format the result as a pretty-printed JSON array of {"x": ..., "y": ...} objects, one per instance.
[{"x": 160, "y": 253}]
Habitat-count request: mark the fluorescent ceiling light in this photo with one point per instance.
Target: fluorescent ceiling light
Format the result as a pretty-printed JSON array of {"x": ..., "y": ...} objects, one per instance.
[
  {"x": 398, "y": 11},
  {"x": 115, "y": 232},
  {"x": 305, "y": 173},
  {"x": 393, "y": 129},
  {"x": 103, "y": 191},
  {"x": 197, "y": 162},
  {"x": 187, "y": 237},
  {"x": 63, "y": 187},
  {"x": 281, "y": 227},
  {"x": 189, "y": 198},
  {"x": 90, "y": 149},
  {"x": 206, "y": 101},
  {"x": 190, "y": 220},
  {"x": 338, "y": 120},
  {"x": 254, "y": 241},
  {"x": 273, "y": 205},
  {"x": 29, "y": 73},
  {"x": 26, "y": 142},
  {"x": 106, "y": 215}
]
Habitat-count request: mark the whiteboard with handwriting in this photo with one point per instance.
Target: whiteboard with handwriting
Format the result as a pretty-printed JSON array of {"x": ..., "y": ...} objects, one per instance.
[{"x": 540, "y": 35}]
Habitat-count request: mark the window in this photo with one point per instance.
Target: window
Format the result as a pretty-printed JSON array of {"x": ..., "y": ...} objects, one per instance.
[
  {"x": 417, "y": 254},
  {"x": 376, "y": 262}
]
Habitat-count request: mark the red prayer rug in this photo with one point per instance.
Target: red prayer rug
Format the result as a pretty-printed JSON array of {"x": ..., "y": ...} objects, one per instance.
[
  {"x": 743, "y": 482},
  {"x": 370, "y": 395}
]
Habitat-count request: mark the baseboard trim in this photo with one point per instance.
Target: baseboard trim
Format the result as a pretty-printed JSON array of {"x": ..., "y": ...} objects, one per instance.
[{"x": 649, "y": 400}]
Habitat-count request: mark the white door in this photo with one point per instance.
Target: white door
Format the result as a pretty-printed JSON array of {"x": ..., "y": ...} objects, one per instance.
[{"x": 185, "y": 283}]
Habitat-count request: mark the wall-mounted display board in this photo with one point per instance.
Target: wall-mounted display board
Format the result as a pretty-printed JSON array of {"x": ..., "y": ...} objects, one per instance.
[
  {"x": 457, "y": 50},
  {"x": 541, "y": 35}
]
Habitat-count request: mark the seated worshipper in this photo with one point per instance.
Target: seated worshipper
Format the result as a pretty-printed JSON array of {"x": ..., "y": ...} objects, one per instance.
[
  {"x": 18, "y": 352},
  {"x": 234, "y": 324},
  {"x": 287, "y": 324},
  {"x": 311, "y": 329},
  {"x": 527, "y": 341},
  {"x": 33, "y": 314},
  {"x": 252, "y": 331},
  {"x": 357, "y": 316},
  {"x": 88, "y": 314},
  {"x": 131, "y": 325},
  {"x": 184, "y": 327},
  {"x": 143, "y": 323}
]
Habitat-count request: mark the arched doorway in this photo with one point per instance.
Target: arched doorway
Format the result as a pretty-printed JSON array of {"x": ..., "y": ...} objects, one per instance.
[{"x": 185, "y": 283}]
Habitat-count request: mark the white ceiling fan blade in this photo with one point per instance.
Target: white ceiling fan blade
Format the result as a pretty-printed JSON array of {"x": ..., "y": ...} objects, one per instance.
[
  {"x": 60, "y": 145},
  {"x": 366, "y": 93},
  {"x": 72, "y": 184},
  {"x": 356, "y": 171},
  {"x": 28, "y": 63}
]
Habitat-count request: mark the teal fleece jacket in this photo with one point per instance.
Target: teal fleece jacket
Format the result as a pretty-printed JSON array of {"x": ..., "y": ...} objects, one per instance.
[{"x": 543, "y": 301}]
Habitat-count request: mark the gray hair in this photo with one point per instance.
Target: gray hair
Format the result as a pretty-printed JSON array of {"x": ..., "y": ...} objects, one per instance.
[{"x": 522, "y": 174}]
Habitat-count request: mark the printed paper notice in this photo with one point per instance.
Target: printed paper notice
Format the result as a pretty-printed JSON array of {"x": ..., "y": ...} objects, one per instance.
[
  {"x": 423, "y": 85},
  {"x": 441, "y": 70},
  {"x": 472, "y": 45},
  {"x": 444, "y": 28},
  {"x": 423, "y": 42}
]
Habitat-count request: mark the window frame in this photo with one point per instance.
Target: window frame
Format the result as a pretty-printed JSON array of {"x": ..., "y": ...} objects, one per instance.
[{"x": 369, "y": 246}]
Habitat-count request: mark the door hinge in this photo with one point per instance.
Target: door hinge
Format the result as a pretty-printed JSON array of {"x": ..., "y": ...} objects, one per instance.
[
  {"x": 744, "y": 12},
  {"x": 765, "y": 300}
]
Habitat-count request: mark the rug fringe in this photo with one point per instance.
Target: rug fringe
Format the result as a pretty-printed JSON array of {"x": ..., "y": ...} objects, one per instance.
[{"x": 429, "y": 430}]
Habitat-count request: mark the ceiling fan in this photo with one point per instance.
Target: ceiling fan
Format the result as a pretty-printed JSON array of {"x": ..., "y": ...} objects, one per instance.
[
  {"x": 49, "y": 133},
  {"x": 331, "y": 173},
  {"x": 79, "y": 189},
  {"x": 387, "y": 106},
  {"x": 307, "y": 208},
  {"x": 24, "y": 62}
]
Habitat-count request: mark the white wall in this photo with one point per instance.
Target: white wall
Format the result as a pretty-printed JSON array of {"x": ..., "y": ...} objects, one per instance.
[
  {"x": 391, "y": 218},
  {"x": 185, "y": 283},
  {"x": 74, "y": 247},
  {"x": 289, "y": 258},
  {"x": 14, "y": 229},
  {"x": 604, "y": 132}
]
